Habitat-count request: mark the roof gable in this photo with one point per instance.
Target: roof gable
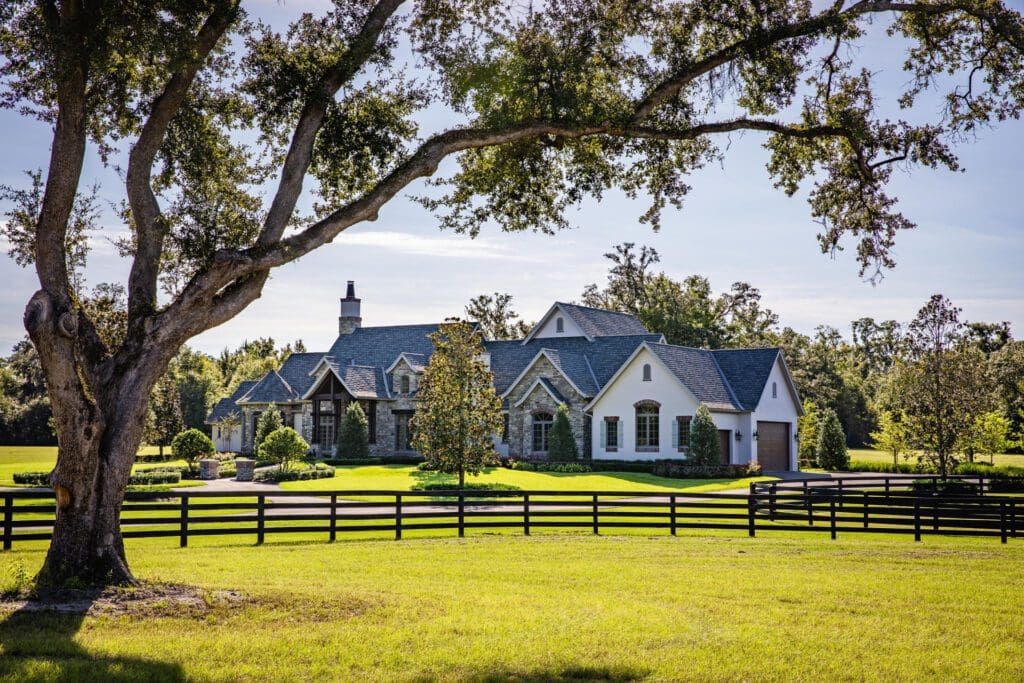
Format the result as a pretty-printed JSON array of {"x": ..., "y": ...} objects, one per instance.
[
  {"x": 226, "y": 407},
  {"x": 747, "y": 372},
  {"x": 271, "y": 389},
  {"x": 588, "y": 322},
  {"x": 545, "y": 384},
  {"x": 697, "y": 370}
]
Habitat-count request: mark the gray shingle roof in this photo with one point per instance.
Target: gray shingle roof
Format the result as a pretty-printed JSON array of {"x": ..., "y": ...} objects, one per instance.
[
  {"x": 380, "y": 346},
  {"x": 364, "y": 381},
  {"x": 698, "y": 371},
  {"x": 576, "y": 368},
  {"x": 747, "y": 372},
  {"x": 271, "y": 389},
  {"x": 295, "y": 371},
  {"x": 598, "y": 322},
  {"x": 551, "y": 389},
  {"x": 604, "y": 355},
  {"x": 226, "y": 407}
]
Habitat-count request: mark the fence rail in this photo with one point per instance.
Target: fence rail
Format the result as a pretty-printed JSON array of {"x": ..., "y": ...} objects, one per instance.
[{"x": 864, "y": 506}]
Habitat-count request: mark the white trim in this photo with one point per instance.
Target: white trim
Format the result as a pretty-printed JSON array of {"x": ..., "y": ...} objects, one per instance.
[
  {"x": 622, "y": 368},
  {"x": 789, "y": 382},
  {"x": 542, "y": 352},
  {"x": 404, "y": 356},
  {"x": 533, "y": 386},
  {"x": 547, "y": 316}
]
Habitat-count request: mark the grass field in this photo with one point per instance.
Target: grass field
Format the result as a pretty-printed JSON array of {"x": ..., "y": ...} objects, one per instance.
[
  {"x": 551, "y": 608},
  {"x": 881, "y": 456}
]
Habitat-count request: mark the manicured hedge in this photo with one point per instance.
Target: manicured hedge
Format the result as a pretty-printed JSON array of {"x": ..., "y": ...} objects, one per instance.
[
  {"x": 682, "y": 470},
  {"x": 441, "y": 486},
  {"x": 888, "y": 467},
  {"x": 155, "y": 457},
  {"x": 32, "y": 478},
  {"x": 383, "y": 460},
  {"x": 155, "y": 476},
  {"x": 563, "y": 467},
  {"x": 318, "y": 471}
]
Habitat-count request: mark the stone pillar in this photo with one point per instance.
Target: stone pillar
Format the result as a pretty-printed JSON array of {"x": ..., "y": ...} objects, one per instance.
[
  {"x": 208, "y": 468},
  {"x": 244, "y": 468}
]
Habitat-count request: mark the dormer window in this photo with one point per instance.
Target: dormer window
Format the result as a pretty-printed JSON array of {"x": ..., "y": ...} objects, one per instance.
[
  {"x": 405, "y": 384},
  {"x": 647, "y": 372},
  {"x": 775, "y": 390},
  {"x": 559, "y": 325}
]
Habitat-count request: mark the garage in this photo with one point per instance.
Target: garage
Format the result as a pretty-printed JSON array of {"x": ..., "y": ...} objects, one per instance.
[{"x": 773, "y": 445}]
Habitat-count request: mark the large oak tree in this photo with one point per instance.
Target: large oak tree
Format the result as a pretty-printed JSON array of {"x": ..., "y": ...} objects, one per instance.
[{"x": 217, "y": 123}]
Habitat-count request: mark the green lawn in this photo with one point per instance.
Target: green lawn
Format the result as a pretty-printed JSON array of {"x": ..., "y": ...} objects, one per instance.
[
  {"x": 881, "y": 456},
  {"x": 42, "y": 459},
  {"x": 551, "y": 608},
  {"x": 403, "y": 477}
]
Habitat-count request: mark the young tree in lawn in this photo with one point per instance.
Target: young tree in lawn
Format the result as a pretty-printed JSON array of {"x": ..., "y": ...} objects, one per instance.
[
  {"x": 458, "y": 412},
  {"x": 831, "y": 453},
  {"x": 561, "y": 443},
  {"x": 354, "y": 435},
  {"x": 891, "y": 435},
  {"x": 808, "y": 426},
  {"x": 283, "y": 446},
  {"x": 945, "y": 385},
  {"x": 166, "y": 420},
  {"x": 207, "y": 112},
  {"x": 270, "y": 420},
  {"x": 191, "y": 445},
  {"x": 705, "y": 448},
  {"x": 989, "y": 435}
]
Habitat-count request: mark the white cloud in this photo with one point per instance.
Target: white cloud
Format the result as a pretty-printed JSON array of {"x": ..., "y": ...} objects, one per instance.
[{"x": 458, "y": 247}]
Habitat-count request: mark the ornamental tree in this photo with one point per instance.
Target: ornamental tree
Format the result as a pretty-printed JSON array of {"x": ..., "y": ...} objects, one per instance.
[
  {"x": 191, "y": 445},
  {"x": 705, "y": 448},
  {"x": 561, "y": 442},
  {"x": 218, "y": 123},
  {"x": 458, "y": 412},
  {"x": 831, "y": 453},
  {"x": 891, "y": 435},
  {"x": 269, "y": 421},
  {"x": 283, "y": 446}
]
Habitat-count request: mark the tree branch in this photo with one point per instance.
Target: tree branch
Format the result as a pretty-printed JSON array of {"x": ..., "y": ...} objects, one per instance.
[{"x": 145, "y": 209}]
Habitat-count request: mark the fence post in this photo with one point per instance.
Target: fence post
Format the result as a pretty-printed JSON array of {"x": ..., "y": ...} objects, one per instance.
[
  {"x": 398, "y": 516},
  {"x": 832, "y": 516},
  {"x": 526, "y": 514},
  {"x": 672, "y": 513},
  {"x": 981, "y": 484},
  {"x": 260, "y": 522},
  {"x": 1002, "y": 521},
  {"x": 8, "y": 521},
  {"x": 751, "y": 515},
  {"x": 887, "y": 488},
  {"x": 917, "y": 520},
  {"x": 183, "y": 533},
  {"x": 935, "y": 515},
  {"x": 334, "y": 517},
  {"x": 1013, "y": 519},
  {"x": 595, "y": 513},
  {"x": 866, "y": 509},
  {"x": 462, "y": 515},
  {"x": 840, "y": 480},
  {"x": 771, "y": 502}
]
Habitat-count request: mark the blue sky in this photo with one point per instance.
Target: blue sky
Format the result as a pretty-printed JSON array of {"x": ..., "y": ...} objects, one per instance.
[{"x": 968, "y": 245}]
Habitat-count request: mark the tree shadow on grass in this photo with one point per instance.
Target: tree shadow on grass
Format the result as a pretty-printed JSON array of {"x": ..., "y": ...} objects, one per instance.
[
  {"x": 38, "y": 644},
  {"x": 564, "y": 674}
]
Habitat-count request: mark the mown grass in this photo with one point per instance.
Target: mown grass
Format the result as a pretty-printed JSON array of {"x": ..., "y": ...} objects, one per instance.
[
  {"x": 549, "y": 608},
  {"x": 873, "y": 455},
  {"x": 404, "y": 477},
  {"x": 43, "y": 458}
]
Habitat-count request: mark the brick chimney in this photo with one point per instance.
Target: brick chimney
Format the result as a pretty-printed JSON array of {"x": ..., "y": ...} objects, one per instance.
[{"x": 350, "y": 320}]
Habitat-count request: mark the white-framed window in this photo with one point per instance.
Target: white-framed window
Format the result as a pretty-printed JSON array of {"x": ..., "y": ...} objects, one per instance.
[
  {"x": 405, "y": 384},
  {"x": 559, "y": 325},
  {"x": 647, "y": 372},
  {"x": 775, "y": 390},
  {"x": 647, "y": 426},
  {"x": 610, "y": 433},
  {"x": 681, "y": 433},
  {"x": 541, "y": 427}
]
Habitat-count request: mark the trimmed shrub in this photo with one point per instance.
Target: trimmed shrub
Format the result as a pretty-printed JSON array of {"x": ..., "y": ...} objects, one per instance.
[
  {"x": 383, "y": 460},
  {"x": 154, "y": 457},
  {"x": 689, "y": 470},
  {"x": 945, "y": 486},
  {"x": 561, "y": 467},
  {"x": 454, "y": 486},
  {"x": 191, "y": 445},
  {"x": 282, "y": 446},
  {"x": 155, "y": 476},
  {"x": 427, "y": 466},
  {"x": 354, "y": 435},
  {"x": 831, "y": 453},
  {"x": 561, "y": 443},
  {"x": 705, "y": 448},
  {"x": 318, "y": 471},
  {"x": 32, "y": 478},
  {"x": 888, "y": 467}
]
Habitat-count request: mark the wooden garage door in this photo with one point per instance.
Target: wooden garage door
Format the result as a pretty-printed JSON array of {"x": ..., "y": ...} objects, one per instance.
[
  {"x": 773, "y": 445},
  {"x": 726, "y": 442}
]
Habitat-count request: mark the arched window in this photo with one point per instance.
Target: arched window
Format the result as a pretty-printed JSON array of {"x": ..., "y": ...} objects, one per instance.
[
  {"x": 647, "y": 426},
  {"x": 541, "y": 427},
  {"x": 647, "y": 372},
  {"x": 775, "y": 390},
  {"x": 559, "y": 325},
  {"x": 405, "y": 384}
]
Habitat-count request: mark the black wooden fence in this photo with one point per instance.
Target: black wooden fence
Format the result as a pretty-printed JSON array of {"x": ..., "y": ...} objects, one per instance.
[{"x": 882, "y": 506}]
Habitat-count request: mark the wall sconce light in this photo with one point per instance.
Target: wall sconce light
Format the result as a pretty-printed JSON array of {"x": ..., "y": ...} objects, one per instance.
[
  {"x": 796, "y": 436},
  {"x": 739, "y": 437},
  {"x": 754, "y": 435}
]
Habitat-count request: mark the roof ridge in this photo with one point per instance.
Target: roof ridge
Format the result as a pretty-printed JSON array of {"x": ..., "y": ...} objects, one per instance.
[
  {"x": 594, "y": 308},
  {"x": 727, "y": 383}
]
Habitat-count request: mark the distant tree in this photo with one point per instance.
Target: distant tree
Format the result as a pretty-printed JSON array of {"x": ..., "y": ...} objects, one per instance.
[
  {"x": 191, "y": 445},
  {"x": 354, "y": 435},
  {"x": 1007, "y": 367},
  {"x": 282, "y": 447},
  {"x": 458, "y": 411},
  {"x": 988, "y": 337},
  {"x": 561, "y": 442},
  {"x": 270, "y": 420},
  {"x": 705, "y": 448},
  {"x": 946, "y": 384},
  {"x": 808, "y": 426},
  {"x": 831, "y": 453},
  {"x": 891, "y": 436},
  {"x": 165, "y": 413},
  {"x": 989, "y": 435},
  {"x": 199, "y": 385},
  {"x": 496, "y": 318}
]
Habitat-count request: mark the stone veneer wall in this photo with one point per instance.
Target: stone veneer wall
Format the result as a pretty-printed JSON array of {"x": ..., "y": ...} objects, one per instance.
[{"x": 520, "y": 423}]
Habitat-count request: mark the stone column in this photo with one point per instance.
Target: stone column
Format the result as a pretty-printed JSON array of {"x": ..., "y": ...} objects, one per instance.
[
  {"x": 208, "y": 468},
  {"x": 244, "y": 468}
]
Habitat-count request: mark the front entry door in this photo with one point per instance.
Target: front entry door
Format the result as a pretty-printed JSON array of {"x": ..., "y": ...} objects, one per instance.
[{"x": 724, "y": 438}]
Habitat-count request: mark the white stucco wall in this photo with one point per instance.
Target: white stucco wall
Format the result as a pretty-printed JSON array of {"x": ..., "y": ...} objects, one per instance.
[
  {"x": 227, "y": 439},
  {"x": 549, "y": 328},
  {"x": 781, "y": 408},
  {"x": 665, "y": 389}
]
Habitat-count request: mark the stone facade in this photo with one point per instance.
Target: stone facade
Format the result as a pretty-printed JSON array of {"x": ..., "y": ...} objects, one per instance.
[{"x": 520, "y": 422}]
